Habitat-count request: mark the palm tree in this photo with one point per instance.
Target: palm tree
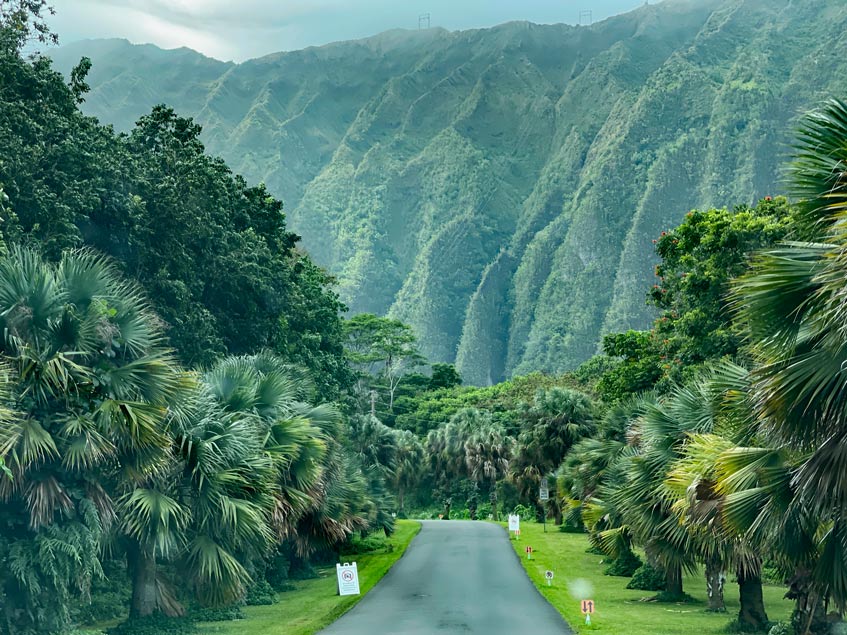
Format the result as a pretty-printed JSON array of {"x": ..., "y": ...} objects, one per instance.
[
  {"x": 702, "y": 488},
  {"x": 408, "y": 466},
  {"x": 295, "y": 434},
  {"x": 589, "y": 462},
  {"x": 792, "y": 305},
  {"x": 743, "y": 490},
  {"x": 91, "y": 380},
  {"x": 557, "y": 419},
  {"x": 640, "y": 497},
  {"x": 488, "y": 450}
]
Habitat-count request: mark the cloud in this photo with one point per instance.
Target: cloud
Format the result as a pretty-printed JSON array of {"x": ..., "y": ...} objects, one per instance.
[{"x": 240, "y": 29}]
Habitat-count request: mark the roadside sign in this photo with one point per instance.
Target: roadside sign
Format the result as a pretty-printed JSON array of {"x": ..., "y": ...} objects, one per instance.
[
  {"x": 515, "y": 524},
  {"x": 528, "y": 552},
  {"x": 587, "y": 607},
  {"x": 348, "y": 578},
  {"x": 544, "y": 491},
  {"x": 549, "y": 575}
]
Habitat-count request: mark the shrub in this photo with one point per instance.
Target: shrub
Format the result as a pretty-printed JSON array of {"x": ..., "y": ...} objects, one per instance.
[
  {"x": 370, "y": 544},
  {"x": 526, "y": 513},
  {"x": 571, "y": 529},
  {"x": 261, "y": 594},
  {"x": 276, "y": 572},
  {"x": 624, "y": 565},
  {"x": 157, "y": 624},
  {"x": 647, "y": 578},
  {"x": 781, "y": 628},
  {"x": 109, "y": 597},
  {"x": 217, "y": 614}
]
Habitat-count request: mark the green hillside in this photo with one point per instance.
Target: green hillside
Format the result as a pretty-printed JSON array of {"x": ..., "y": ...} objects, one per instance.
[{"x": 499, "y": 189}]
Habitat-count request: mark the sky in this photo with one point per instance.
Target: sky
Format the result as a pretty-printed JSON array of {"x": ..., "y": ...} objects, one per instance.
[{"x": 242, "y": 29}]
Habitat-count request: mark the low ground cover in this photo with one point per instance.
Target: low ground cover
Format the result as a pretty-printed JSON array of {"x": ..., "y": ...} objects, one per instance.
[
  {"x": 619, "y": 610},
  {"x": 313, "y": 604}
]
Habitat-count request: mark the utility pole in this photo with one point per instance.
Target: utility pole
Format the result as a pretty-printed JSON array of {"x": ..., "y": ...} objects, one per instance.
[
  {"x": 373, "y": 403},
  {"x": 424, "y": 21}
]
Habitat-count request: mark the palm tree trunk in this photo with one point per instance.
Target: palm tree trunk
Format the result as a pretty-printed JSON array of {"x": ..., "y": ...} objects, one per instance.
[
  {"x": 715, "y": 578},
  {"x": 752, "y": 611},
  {"x": 809, "y": 610},
  {"x": 493, "y": 499},
  {"x": 673, "y": 578},
  {"x": 142, "y": 568}
]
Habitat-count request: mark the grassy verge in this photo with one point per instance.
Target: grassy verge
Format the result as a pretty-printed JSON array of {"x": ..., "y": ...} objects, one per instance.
[
  {"x": 313, "y": 604},
  {"x": 619, "y": 610}
]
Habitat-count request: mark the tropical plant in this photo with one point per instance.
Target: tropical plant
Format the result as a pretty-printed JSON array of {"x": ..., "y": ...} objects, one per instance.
[
  {"x": 488, "y": 451},
  {"x": 91, "y": 380},
  {"x": 550, "y": 426},
  {"x": 791, "y": 303}
]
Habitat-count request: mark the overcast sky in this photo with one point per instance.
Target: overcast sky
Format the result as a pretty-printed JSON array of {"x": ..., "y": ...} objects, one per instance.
[{"x": 241, "y": 29}]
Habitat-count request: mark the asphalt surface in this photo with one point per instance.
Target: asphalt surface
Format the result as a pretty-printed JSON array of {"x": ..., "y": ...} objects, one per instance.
[{"x": 456, "y": 577}]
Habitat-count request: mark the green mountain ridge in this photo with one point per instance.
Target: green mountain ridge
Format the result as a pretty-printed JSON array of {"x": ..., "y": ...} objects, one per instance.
[{"x": 499, "y": 189}]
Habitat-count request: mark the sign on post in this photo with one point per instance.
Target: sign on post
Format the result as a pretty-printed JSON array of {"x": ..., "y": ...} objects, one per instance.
[
  {"x": 549, "y": 575},
  {"x": 515, "y": 524},
  {"x": 587, "y": 610},
  {"x": 544, "y": 491},
  {"x": 348, "y": 578},
  {"x": 528, "y": 552}
]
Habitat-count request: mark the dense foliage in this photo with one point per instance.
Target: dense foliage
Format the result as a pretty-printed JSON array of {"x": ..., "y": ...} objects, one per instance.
[
  {"x": 169, "y": 452},
  {"x": 131, "y": 485},
  {"x": 212, "y": 253},
  {"x": 711, "y": 441},
  {"x": 498, "y": 189}
]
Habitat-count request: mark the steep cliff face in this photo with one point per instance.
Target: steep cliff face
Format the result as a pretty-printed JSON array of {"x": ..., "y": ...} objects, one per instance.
[{"x": 499, "y": 189}]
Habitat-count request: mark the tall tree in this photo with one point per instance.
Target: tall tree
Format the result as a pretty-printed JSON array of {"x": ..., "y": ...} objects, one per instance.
[
  {"x": 92, "y": 382},
  {"x": 556, "y": 420},
  {"x": 791, "y": 302}
]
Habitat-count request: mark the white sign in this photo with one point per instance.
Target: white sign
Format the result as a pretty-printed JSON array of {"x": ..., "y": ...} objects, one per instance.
[
  {"x": 514, "y": 522},
  {"x": 348, "y": 579},
  {"x": 544, "y": 491},
  {"x": 548, "y": 575}
]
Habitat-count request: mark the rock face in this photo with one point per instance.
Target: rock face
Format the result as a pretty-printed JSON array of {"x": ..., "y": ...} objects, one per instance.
[{"x": 499, "y": 189}]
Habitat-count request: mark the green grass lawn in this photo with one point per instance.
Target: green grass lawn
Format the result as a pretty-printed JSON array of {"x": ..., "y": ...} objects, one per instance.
[
  {"x": 618, "y": 610},
  {"x": 313, "y": 604}
]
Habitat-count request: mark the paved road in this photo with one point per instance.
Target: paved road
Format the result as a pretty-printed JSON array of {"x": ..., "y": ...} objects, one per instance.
[{"x": 456, "y": 577}]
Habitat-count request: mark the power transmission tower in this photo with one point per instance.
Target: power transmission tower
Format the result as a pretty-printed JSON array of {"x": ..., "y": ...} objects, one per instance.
[
  {"x": 424, "y": 21},
  {"x": 586, "y": 15}
]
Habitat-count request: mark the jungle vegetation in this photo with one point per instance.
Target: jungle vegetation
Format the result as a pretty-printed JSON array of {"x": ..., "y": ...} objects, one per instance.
[{"x": 188, "y": 419}]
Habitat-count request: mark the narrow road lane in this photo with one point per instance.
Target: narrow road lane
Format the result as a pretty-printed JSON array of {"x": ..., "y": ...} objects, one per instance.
[{"x": 455, "y": 577}]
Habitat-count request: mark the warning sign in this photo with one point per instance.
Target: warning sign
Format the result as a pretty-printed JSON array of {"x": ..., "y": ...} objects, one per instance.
[
  {"x": 514, "y": 522},
  {"x": 348, "y": 578},
  {"x": 588, "y": 607}
]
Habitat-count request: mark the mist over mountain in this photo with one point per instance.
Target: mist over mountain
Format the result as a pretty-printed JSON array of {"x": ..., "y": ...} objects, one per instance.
[{"x": 499, "y": 189}]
